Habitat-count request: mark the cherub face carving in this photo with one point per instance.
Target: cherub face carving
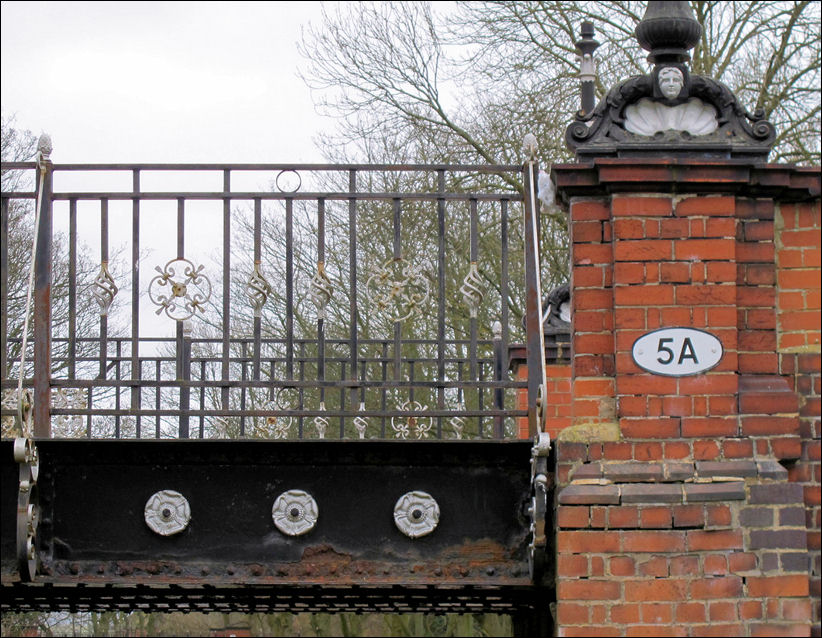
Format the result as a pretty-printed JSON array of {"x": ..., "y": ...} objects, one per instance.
[{"x": 671, "y": 82}]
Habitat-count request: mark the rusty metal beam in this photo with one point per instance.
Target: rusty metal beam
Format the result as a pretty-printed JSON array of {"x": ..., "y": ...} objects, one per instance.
[{"x": 93, "y": 535}]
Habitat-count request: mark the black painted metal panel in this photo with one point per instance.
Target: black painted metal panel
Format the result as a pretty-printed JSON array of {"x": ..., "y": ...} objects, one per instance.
[{"x": 93, "y": 532}]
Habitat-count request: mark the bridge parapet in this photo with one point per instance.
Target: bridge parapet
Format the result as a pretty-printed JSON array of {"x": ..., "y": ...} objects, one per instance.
[{"x": 333, "y": 301}]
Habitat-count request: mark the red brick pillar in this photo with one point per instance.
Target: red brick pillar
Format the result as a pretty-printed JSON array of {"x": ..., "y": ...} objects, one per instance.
[{"x": 674, "y": 515}]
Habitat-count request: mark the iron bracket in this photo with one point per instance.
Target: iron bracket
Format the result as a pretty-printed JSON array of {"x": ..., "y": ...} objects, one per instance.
[
  {"x": 540, "y": 479},
  {"x": 25, "y": 455}
]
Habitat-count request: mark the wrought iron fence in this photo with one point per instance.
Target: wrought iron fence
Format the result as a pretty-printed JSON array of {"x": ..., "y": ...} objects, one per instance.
[{"x": 275, "y": 301}]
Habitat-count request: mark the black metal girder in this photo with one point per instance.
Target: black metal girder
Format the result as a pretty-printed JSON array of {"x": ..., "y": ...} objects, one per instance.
[{"x": 96, "y": 551}]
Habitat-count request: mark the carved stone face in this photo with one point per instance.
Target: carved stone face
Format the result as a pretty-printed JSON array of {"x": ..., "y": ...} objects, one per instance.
[{"x": 671, "y": 82}]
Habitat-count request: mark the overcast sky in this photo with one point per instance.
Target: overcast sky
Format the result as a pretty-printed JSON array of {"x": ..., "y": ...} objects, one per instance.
[{"x": 161, "y": 81}]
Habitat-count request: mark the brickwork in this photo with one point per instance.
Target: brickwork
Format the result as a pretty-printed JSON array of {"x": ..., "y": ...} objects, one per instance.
[
  {"x": 690, "y": 523},
  {"x": 798, "y": 335}
]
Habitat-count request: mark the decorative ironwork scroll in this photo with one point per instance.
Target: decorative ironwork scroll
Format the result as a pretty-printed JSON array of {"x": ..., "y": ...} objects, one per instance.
[
  {"x": 68, "y": 399},
  {"x": 398, "y": 285},
  {"x": 258, "y": 289},
  {"x": 104, "y": 289},
  {"x": 321, "y": 422},
  {"x": 413, "y": 426},
  {"x": 180, "y": 296},
  {"x": 281, "y": 424},
  {"x": 472, "y": 290},
  {"x": 361, "y": 422},
  {"x": 321, "y": 290}
]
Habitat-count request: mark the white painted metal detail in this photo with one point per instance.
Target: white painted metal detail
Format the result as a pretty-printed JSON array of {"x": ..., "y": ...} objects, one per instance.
[
  {"x": 295, "y": 512},
  {"x": 416, "y": 514},
  {"x": 472, "y": 289},
  {"x": 677, "y": 352},
  {"x": 104, "y": 289},
  {"x": 258, "y": 289},
  {"x": 167, "y": 512},
  {"x": 647, "y": 117}
]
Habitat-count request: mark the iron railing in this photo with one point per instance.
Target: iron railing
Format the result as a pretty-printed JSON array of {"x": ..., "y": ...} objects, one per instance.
[{"x": 333, "y": 301}]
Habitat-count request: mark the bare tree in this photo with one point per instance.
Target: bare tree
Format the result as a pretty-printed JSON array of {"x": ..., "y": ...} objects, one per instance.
[{"x": 411, "y": 83}]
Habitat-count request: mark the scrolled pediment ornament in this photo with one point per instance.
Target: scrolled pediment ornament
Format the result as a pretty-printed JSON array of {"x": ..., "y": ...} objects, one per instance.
[{"x": 670, "y": 110}]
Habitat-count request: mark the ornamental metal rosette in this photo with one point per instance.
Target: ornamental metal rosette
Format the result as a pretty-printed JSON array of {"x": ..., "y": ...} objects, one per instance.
[
  {"x": 258, "y": 289},
  {"x": 416, "y": 514},
  {"x": 180, "y": 296},
  {"x": 167, "y": 512},
  {"x": 104, "y": 289},
  {"x": 295, "y": 512},
  {"x": 400, "y": 286}
]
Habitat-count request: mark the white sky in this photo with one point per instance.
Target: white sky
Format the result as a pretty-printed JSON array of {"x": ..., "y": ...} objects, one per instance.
[
  {"x": 161, "y": 81},
  {"x": 165, "y": 82}
]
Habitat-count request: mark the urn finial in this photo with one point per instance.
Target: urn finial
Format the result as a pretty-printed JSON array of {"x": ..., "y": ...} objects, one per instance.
[{"x": 668, "y": 30}]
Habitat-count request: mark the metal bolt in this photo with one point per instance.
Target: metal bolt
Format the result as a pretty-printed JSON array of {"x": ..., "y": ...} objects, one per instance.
[
  {"x": 490, "y": 571},
  {"x": 438, "y": 571}
]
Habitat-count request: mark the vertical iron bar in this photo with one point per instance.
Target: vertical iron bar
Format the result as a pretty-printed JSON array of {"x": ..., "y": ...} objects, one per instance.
[
  {"x": 320, "y": 320},
  {"x": 136, "y": 372},
  {"x": 72, "y": 290},
  {"x": 118, "y": 352},
  {"x": 243, "y": 377},
  {"x": 257, "y": 314},
  {"x": 158, "y": 399},
  {"x": 474, "y": 247},
  {"x": 42, "y": 311},
  {"x": 4, "y": 287},
  {"x": 352, "y": 279},
  {"x": 499, "y": 399},
  {"x": 301, "y": 424},
  {"x": 226, "y": 354},
  {"x": 504, "y": 293},
  {"x": 384, "y": 399},
  {"x": 104, "y": 264},
  {"x": 184, "y": 375},
  {"x": 397, "y": 257},
  {"x": 480, "y": 402},
  {"x": 501, "y": 343},
  {"x": 289, "y": 289},
  {"x": 202, "y": 398},
  {"x": 535, "y": 339},
  {"x": 183, "y": 344},
  {"x": 440, "y": 298},
  {"x": 342, "y": 399}
]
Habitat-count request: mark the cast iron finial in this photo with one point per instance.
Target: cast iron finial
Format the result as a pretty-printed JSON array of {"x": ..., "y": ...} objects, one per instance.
[
  {"x": 586, "y": 46},
  {"x": 668, "y": 30}
]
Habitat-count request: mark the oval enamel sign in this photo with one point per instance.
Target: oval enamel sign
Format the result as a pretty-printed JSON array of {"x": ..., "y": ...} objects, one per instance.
[{"x": 677, "y": 352}]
